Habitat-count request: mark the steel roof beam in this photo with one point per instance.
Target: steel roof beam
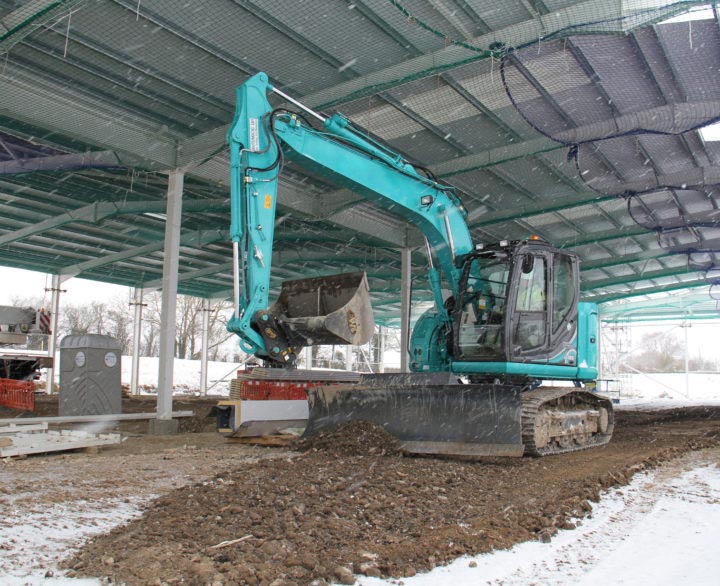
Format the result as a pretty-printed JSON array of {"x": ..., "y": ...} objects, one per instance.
[
  {"x": 57, "y": 108},
  {"x": 542, "y": 207},
  {"x": 193, "y": 238},
  {"x": 296, "y": 198},
  {"x": 692, "y": 177},
  {"x": 625, "y": 260},
  {"x": 536, "y": 146},
  {"x": 23, "y": 21},
  {"x": 646, "y": 291},
  {"x": 97, "y": 212},
  {"x": 91, "y": 160},
  {"x": 635, "y": 278},
  {"x": 604, "y": 236},
  {"x": 187, "y": 275}
]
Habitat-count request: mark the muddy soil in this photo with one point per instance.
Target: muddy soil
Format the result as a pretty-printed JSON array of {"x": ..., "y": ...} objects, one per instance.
[{"x": 339, "y": 508}]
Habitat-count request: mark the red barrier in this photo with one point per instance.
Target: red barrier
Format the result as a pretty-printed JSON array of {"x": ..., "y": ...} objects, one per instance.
[
  {"x": 263, "y": 390},
  {"x": 17, "y": 394}
]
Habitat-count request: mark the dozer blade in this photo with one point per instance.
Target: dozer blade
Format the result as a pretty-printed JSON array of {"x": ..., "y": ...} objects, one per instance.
[
  {"x": 326, "y": 310},
  {"x": 426, "y": 416}
]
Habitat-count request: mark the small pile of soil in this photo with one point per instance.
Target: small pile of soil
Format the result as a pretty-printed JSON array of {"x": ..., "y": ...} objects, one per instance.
[{"x": 355, "y": 438}]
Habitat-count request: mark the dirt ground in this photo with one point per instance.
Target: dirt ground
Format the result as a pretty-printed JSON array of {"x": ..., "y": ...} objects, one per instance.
[
  {"x": 262, "y": 516},
  {"x": 348, "y": 507}
]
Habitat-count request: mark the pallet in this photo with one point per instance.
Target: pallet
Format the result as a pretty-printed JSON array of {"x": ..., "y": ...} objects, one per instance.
[
  {"x": 279, "y": 440},
  {"x": 28, "y": 439},
  {"x": 24, "y": 427}
]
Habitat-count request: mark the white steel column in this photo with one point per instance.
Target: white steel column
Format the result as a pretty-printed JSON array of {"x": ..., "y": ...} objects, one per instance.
[
  {"x": 348, "y": 357},
  {"x": 52, "y": 340},
  {"x": 381, "y": 348},
  {"x": 137, "y": 334},
  {"x": 405, "y": 270},
  {"x": 308, "y": 357},
  {"x": 204, "y": 351},
  {"x": 169, "y": 294},
  {"x": 686, "y": 326}
]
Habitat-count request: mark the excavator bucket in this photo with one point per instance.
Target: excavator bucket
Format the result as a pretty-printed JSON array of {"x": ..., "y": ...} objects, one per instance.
[
  {"x": 429, "y": 414},
  {"x": 327, "y": 310}
]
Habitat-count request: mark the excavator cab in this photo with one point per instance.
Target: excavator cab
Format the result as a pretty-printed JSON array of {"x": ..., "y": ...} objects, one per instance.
[{"x": 520, "y": 302}]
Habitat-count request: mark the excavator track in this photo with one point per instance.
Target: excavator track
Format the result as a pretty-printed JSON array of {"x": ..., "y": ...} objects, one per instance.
[{"x": 561, "y": 420}]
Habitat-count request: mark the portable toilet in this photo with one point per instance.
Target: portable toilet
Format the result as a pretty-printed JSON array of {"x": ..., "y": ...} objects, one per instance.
[{"x": 89, "y": 375}]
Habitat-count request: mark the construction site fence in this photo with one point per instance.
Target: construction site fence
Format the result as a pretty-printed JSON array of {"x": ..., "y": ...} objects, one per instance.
[{"x": 17, "y": 394}]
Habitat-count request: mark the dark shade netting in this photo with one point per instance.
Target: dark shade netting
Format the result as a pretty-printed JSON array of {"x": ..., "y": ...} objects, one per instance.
[
  {"x": 587, "y": 88},
  {"x": 673, "y": 208},
  {"x": 628, "y": 106},
  {"x": 703, "y": 260},
  {"x": 633, "y": 164},
  {"x": 689, "y": 239}
]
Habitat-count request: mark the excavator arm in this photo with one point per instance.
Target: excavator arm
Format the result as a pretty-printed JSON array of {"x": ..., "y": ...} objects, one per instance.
[{"x": 259, "y": 138}]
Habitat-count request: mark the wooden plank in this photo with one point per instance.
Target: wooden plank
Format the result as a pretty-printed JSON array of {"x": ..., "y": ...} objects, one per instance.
[
  {"x": 24, "y": 427},
  {"x": 282, "y": 439},
  {"x": 91, "y": 418}
]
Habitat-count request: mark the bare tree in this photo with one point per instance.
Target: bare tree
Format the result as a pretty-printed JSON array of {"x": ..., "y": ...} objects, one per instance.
[
  {"x": 662, "y": 352},
  {"x": 116, "y": 318},
  {"x": 188, "y": 333},
  {"x": 82, "y": 319},
  {"x": 120, "y": 328}
]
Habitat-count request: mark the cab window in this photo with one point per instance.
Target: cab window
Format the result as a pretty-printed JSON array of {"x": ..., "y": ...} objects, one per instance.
[{"x": 531, "y": 305}]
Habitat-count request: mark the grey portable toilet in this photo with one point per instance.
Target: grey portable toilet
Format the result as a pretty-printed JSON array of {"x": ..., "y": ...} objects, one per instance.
[{"x": 89, "y": 375}]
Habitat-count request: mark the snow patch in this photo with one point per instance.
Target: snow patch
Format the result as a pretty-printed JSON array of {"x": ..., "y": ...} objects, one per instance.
[{"x": 660, "y": 529}]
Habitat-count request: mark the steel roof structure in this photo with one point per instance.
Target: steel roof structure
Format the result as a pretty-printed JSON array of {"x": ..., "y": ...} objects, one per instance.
[{"x": 574, "y": 120}]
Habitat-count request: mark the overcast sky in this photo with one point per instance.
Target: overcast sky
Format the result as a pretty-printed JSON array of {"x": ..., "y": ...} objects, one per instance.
[{"x": 21, "y": 284}]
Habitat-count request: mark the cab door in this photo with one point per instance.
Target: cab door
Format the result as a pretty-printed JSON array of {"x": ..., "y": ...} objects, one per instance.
[
  {"x": 529, "y": 324},
  {"x": 544, "y": 301}
]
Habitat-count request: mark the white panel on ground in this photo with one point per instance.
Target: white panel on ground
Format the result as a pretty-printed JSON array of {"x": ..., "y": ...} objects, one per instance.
[
  {"x": 29, "y": 440},
  {"x": 267, "y": 417}
]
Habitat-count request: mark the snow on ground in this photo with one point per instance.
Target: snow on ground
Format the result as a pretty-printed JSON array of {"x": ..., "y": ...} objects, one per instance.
[
  {"x": 186, "y": 375},
  {"x": 33, "y": 542},
  {"x": 695, "y": 386},
  {"x": 652, "y": 391},
  {"x": 641, "y": 404},
  {"x": 655, "y": 391},
  {"x": 661, "y": 529}
]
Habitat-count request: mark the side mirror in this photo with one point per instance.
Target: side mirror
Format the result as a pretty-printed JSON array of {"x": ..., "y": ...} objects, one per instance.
[{"x": 528, "y": 263}]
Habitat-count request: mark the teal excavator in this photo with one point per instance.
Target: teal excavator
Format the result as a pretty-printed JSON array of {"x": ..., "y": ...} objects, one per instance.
[{"x": 506, "y": 316}]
